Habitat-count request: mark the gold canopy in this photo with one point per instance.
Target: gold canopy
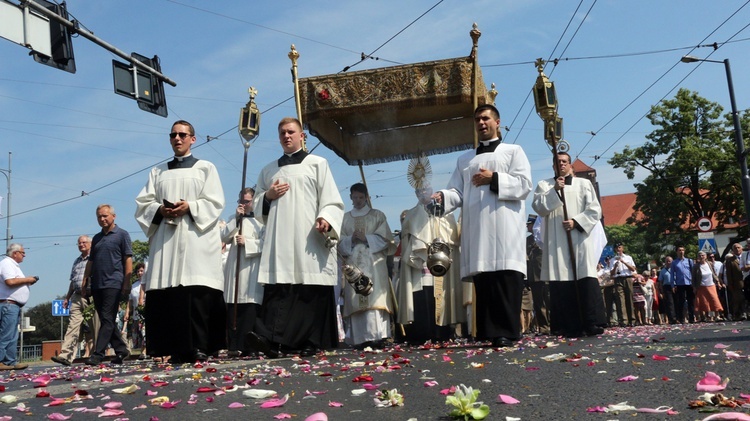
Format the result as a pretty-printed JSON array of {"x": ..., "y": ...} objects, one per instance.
[{"x": 394, "y": 113}]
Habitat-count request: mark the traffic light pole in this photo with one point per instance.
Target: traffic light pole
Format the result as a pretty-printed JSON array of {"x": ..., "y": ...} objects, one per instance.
[{"x": 91, "y": 37}]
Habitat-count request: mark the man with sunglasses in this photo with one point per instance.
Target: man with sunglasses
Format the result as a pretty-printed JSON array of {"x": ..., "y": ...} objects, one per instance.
[{"x": 178, "y": 210}]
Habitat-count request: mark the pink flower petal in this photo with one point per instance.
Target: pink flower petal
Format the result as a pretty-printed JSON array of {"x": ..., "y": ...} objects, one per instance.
[
  {"x": 151, "y": 393},
  {"x": 430, "y": 383},
  {"x": 113, "y": 405},
  {"x": 58, "y": 416},
  {"x": 711, "y": 383},
  {"x": 627, "y": 378},
  {"x": 112, "y": 413},
  {"x": 370, "y": 386},
  {"x": 507, "y": 399},
  {"x": 235, "y": 405},
  {"x": 283, "y": 416},
  {"x": 739, "y": 416},
  {"x": 170, "y": 405},
  {"x": 318, "y": 416},
  {"x": 275, "y": 403},
  {"x": 335, "y": 404},
  {"x": 659, "y": 358},
  {"x": 721, "y": 346},
  {"x": 446, "y": 358}
]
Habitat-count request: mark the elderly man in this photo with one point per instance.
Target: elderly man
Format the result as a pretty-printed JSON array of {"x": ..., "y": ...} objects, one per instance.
[
  {"x": 76, "y": 303},
  {"x": 299, "y": 202},
  {"x": 14, "y": 292},
  {"x": 490, "y": 186}
]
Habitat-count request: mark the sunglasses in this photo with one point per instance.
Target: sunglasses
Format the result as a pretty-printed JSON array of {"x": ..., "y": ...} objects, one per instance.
[{"x": 181, "y": 134}]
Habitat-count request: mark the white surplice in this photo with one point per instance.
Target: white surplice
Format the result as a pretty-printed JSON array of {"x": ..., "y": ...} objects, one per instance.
[
  {"x": 584, "y": 208},
  {"x": 293, "y": 251},
  {"x": 187, "y": 252},
  {"x": 249, "y": 291},
  {"x": 493, "y": 225}
]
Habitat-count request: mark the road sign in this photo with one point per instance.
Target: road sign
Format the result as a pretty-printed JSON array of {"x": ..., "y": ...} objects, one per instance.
[
  {"x": 708, "y": 243},
  {"x": 704, "y": 224},
  {"x": 27, "y": 29},
  {"x": 58, "y": 310}
]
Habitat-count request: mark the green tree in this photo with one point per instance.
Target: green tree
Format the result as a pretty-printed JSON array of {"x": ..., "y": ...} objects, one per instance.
[
  {"x": 692, "y": 171},
  {"x": 140, "y": 251},
  {"x": 47, "y": 326}
]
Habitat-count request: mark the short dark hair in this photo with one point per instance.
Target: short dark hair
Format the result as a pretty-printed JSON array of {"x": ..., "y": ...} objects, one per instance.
[
  {"x": 247, "y": 190},
  {"x": 185, "y": 123},
  {"x": 492, "y": 108},
  {"x": 358, "y": 187}
]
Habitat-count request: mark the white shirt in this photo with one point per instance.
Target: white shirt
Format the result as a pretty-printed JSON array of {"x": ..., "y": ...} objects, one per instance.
[{"x": 10, "y": 269}]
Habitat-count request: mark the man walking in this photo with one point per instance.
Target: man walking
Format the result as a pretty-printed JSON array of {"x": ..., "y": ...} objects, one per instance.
[
  {"x": 490, "y": 186},
  {"x": 178, "y": 209},
  {"x": 577, "y": 307},
  {"x": 76, "y": 303},
  {"x": 299, "y": 202},
  {"x": 108, "y": 271}
]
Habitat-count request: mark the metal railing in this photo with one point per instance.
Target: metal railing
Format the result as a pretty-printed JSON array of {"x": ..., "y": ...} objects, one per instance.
[{"x": 30, "y": 353}]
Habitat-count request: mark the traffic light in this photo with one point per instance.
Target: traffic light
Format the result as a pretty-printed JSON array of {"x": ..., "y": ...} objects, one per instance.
[
  {"x": 141, "y": 85},
  {"x": 60, "y": 40}
]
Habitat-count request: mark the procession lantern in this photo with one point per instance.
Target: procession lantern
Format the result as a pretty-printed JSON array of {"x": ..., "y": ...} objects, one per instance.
[
  {"x": 250, "y": 118},
  {"x": 545, "y": 98}
]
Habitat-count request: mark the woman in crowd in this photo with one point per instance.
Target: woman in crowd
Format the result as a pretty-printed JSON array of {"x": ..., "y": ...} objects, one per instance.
[
  {"x": 704, "y": 285},
  {"x": 639, "y": 299},
  {"x": 648, "y": 292}
]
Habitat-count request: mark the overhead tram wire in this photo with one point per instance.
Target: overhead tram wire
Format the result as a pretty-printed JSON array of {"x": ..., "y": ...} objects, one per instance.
[
  {"x": 528, "y": 94},
  {"x": 368, "y": 56},
  {"x": 714, "y": 45}
]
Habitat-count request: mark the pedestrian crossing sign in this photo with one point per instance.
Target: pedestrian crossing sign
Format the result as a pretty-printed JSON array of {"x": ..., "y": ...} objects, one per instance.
[{"x": 707, "y": 245}]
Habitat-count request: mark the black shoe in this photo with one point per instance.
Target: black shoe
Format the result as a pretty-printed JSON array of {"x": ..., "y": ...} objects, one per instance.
[
  {"x": 594, "y": 330},
  {"x": 260, "y": 344},
  {"x": 61, "y": 360},
  {"x": 200, "y": 355},
  {"x": 93, "y": 360},
  {"x": 234, "y": 354},
  {"x": 120, "y": 357},
  {"x": 308, "y": 351},
  {"x": 502, "y": 342}
]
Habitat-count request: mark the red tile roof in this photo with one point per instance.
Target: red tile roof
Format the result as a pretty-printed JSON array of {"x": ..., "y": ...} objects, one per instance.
[{"x": 617, "y": 208}]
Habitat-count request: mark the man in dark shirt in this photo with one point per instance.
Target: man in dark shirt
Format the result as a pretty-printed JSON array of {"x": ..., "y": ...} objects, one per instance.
[{"x": 110, "y": 265}]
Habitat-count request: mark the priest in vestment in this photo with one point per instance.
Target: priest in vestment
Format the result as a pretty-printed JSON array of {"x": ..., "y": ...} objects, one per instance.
[
  {"x": 366, "y": 242},
  {"x": 422, "y": 301},
  {"x": 243, "y": 309},
  {"x": 576, "y": 304},
  {"x": 490, "y": 186},
  {"x": 178, "y": 210},
  {"x": 299, "y": 203}
]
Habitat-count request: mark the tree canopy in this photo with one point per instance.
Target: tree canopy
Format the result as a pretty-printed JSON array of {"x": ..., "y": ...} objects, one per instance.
[{"x": 692, "y": 171}]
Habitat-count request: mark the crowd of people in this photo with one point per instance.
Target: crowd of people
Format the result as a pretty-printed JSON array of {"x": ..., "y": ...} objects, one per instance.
[{"x": 292, "y": 273}]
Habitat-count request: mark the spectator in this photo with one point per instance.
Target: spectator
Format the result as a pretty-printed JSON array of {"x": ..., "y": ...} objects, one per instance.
[{"x": 14, "y": 292}]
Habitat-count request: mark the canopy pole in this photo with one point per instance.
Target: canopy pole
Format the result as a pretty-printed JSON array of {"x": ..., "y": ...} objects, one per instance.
[
  {"x": 475, "y": 34},
  {"x": 293, "y": 56}
]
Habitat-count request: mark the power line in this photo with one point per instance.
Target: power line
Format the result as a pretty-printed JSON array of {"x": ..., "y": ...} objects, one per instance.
[{"x": 715, "y": 46}]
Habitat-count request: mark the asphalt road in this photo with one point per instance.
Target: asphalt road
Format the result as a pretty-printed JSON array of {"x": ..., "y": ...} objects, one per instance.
[{"x": 551, "y": 378}]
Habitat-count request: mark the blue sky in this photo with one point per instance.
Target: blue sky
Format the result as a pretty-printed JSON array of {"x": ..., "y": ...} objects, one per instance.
[{"x": 70, "y": 133}]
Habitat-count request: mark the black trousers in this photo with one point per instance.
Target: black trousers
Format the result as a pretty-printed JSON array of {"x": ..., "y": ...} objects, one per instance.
[
  {"x": 424, "y": 328},
  {"x": 498, "y": 304},
  {"x": 246, "y": 315},
  {"x": 107, "y": 303},
  {"x": 295, "y": 316},
  {"x": 576, "y": 306},
  {"x": 682, "y": 294},
  {"x": 668, "y": 299}
]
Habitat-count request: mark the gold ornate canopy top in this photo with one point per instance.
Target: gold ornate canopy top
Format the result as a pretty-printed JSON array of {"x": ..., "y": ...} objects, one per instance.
[{"x": 395, "y": 113}]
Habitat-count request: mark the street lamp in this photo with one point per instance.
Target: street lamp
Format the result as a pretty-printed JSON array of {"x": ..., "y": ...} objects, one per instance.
[
  {"x": 6, "y": 173},
  {"x": 738, "y": 141}
]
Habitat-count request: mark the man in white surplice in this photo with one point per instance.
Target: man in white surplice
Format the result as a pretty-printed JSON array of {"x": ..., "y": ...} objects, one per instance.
[
  {"x": 490, "y": 186},
  {"x": 366, "y": 242},
  {"x": 246, "y": 247},
  {"x": 299, "y": 202},
  {"x": 178, "y": 210},
  {"x": 576, "y": 305}
]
